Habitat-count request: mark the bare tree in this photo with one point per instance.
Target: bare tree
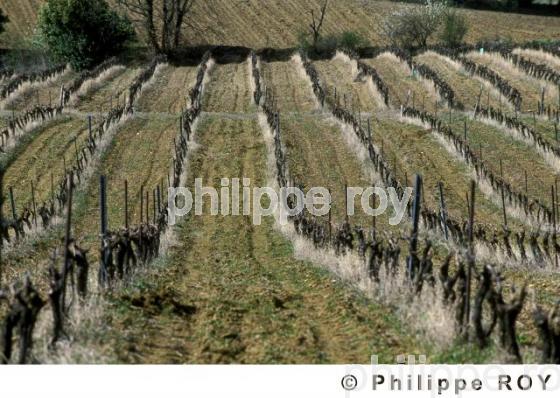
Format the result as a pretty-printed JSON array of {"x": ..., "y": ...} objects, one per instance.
[
  {"x": 317, "y": 22},
  {"x": 167, "y": 15}
]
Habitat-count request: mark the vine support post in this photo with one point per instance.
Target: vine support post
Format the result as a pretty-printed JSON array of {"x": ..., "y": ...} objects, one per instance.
[
  {"x": 412, "y": 258},
  {"x": 90, "y": 132},
  {"x": 103, "y": 222},
  {"x": 373, "y": 217},
  {"x": 13, "y": 203},
  {"x": 67, "y": 237},
  {"x": 1, "y": 217},
  {"x": 126, "y": 204},
  {"x": 142, "y": 204},
  {"x": 147, "y": 207},
  {"x": 504, "y": 207},
  {"x": 34, "y": 204},
  {"x": 470, "y": 261},
  {"x": 443, "y": 210},
  {"x": 553, "y": 205}
]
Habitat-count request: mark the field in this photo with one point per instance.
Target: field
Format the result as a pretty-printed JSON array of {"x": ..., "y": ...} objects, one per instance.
[
  {"x": 327, "y": 289},
  {"x": 276, "y": 23}
]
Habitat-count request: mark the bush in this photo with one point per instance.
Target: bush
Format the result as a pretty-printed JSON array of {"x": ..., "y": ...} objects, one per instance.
[
  {"x": 3, "y": 20},
  {"x": 412, "y": 26},
  {"x": 350, "y": 40},
  {"x": 347, "y": 40},
  {"x": 454, "y": 28},
  {"x": 82, "y": 32}
]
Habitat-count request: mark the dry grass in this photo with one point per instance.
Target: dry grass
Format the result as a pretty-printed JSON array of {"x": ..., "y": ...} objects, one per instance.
[
  {"x": 169, "y": 91},
  {"x": 141, "y": 153},
  {"x": 540, "y": 57},
  {"x": 112, "y": 91},
  {"x": 402, "y": 84},
  {"x": 44, "y": 93},
  {"x": 228, "y": 90},
  {"x": 466, "y": 87},
  {"x": 242, "y": 298},
  {"x": 529, "y": 87},
  {"x": 516, "y": 157},
  {"x": 276, "y": 23},
  {"x": 543, "y": 126},
  {"x": 290, "y": 88},
  {"x": 412, "y": 150},
  {"x": 341, "y": 72},
  {"x": 95, "y": 83},
  {"x": 44, "y": 156}
]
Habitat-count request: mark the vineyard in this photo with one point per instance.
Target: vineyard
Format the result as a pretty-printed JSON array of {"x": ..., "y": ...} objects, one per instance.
[{"x": 93, "y": 271}]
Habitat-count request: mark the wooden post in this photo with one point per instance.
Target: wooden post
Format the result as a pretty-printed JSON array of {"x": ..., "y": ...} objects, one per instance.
[
  {"x": 373, "y": 218},
  {"x": 504, "y": 206},
  {"x": 102, "y": 275},
  {"x": 126, "y": 204},
  {"x": 77, "y": 153},
  {"x": 415, "y": 221},
  {"x": 553, "y": 203},
  {"x": 443, "y": 210},
  {"x": 34, "y": 204},
  {"x": 501, "y": 170},
  {"x": 465, "y": 130},
  {"x": 147, "y": 207},
  {"x": 346, "y": 201},
  {"x": 154, "y": 205},
  {"x": 369, "y": 130},
  {"x": 142, "y": 204},
  {"x": 470, "y": 261},
  {"x": 61, "y": 96},
  {"x": 103, "y": 204},
  {"x": 158, "y": 192},
  {"x": 1, "y": 217},
  {"x": 526, "y": 183},
  {"x": 13, "y": 203},
  {"x": 52, "y": 188},
  {"x": 556, "y": 195},
  {"x": 67, "y": 237},
  {"x": 330, "y": 219},
  {"x": 90, "y": 128}
]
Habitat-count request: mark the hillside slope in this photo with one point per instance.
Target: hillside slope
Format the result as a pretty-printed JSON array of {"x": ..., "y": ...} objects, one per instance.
[{"x": 276, "y": 23}]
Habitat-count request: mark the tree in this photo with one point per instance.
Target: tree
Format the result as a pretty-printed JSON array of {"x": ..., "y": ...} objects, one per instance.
[
  {"x": 317, "y": 22},
  {"x": 414, "y": 25},
  {"x": 82, "y": 32},
  {"x": 3, "y": 20},
  {"x": 169, "y": 15}
]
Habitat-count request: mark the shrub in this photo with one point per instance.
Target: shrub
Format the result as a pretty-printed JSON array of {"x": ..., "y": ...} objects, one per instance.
[
  {"x": 454, "y": 28},
  {"x": 413, "y": 26},
  {"x": 348, "y": 40},
  {"x": 3, "y": 20},
  {"x": 82, "y": 32},
  {"x": 351, "y": 40}
]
